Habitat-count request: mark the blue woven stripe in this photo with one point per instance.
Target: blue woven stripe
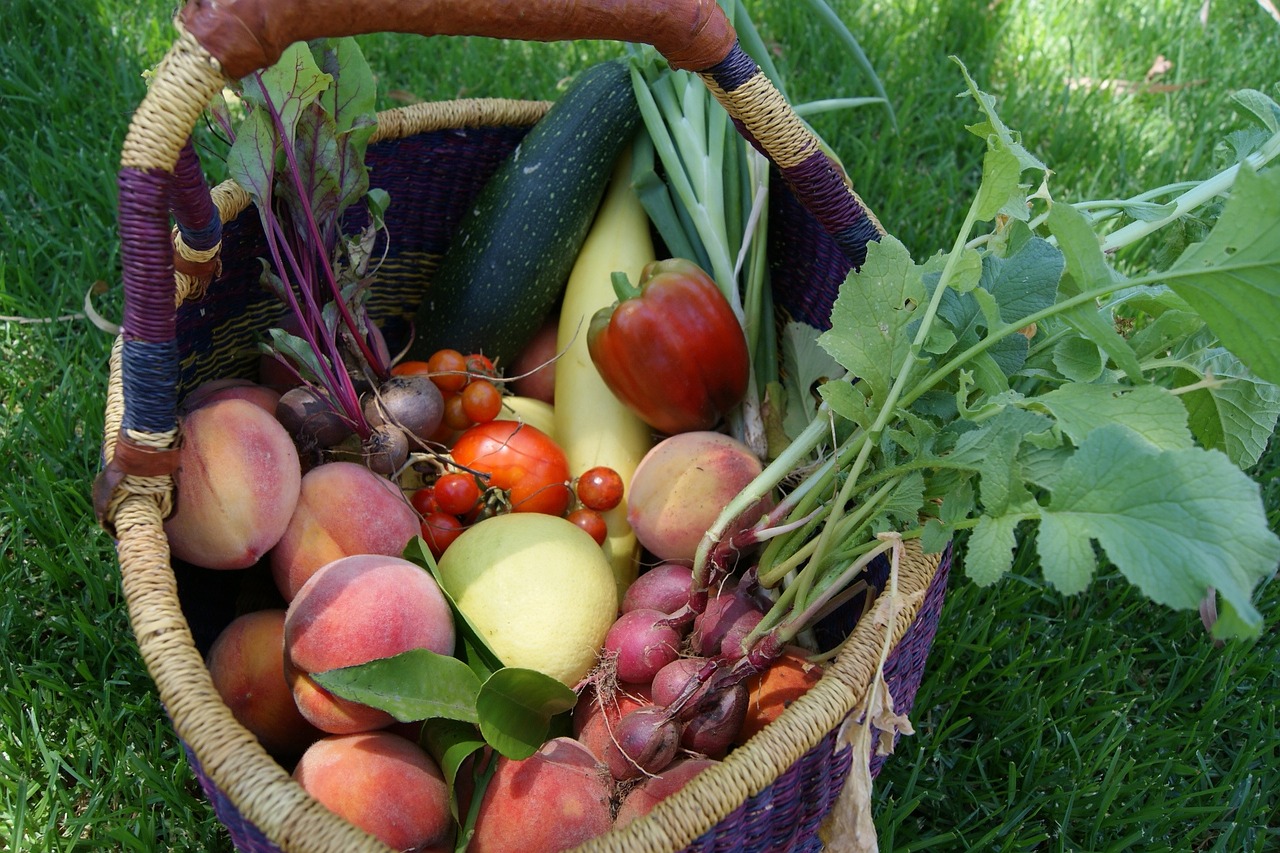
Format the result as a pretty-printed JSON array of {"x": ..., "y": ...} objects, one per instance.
[
  {"x": 734, "y": 70},
  {"x": 854, "y": 239},
  {"x": 149, "y": 379},
  {"x": 202, "y": 239}
]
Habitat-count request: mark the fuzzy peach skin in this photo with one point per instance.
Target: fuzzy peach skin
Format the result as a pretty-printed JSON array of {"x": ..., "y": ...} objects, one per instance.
[
  {"x": 383, "y": 783},
  {"x": 642, "y": 798},
  {"x": 682, "y": 485},
  {"x": 354, "y": 610},
  {"x": 237, "y": 485},
  {"x": 556, "y": 799},
  {"x": 246, "y": 663},
  {"x": 223, "y": 389},
  {"x": 343, "y": 509}
]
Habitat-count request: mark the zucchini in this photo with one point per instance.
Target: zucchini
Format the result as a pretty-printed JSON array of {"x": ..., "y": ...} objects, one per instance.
[{"x": 506, "y": 268}]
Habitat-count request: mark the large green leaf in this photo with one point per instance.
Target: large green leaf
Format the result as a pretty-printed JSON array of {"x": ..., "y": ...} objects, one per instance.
[
  {"x": 1175, "y": 522},
  {"x": 870, "y": 315},
  {"x": 515, "y": 707},
  {"x": 1237, "y": 413},
  {"x": 1154, "y": 413},
  {"x": 414, "y": 685},
  {"x": 1232, "y": 279}
]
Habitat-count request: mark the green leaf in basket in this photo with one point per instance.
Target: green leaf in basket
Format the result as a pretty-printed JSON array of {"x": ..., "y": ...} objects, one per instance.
[
  {"x": 450, "y": 743},
  {"x": 871, "y": 313},
  {"x": 299, "y": 352},
  {"x": 1152, "y": 412},
  {"x": 1232, "y": 279},
  {"x": 414, "y": 685},
  {"x": 1174, "y": 522},
  {"x": 516, "y": 707},
  {"x": 287, "y": 88},
  {"x": 251, "y": 162}
]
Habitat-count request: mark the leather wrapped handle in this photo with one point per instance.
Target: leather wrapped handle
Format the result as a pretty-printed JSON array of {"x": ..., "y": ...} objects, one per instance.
[{"x": 248, "y": 35}]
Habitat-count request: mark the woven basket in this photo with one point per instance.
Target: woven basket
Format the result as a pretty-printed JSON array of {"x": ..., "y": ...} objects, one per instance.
[{"x": 194, "y": 310}]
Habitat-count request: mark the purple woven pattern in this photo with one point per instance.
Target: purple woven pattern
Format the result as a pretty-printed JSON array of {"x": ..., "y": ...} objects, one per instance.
[
  {"x": 192, "y": 207},
  {"x": 244, "y": 835},
  {"x": 147, "y": 255},
  {"x": 431, "y": 177},
  {"x": 815, "y": 179},
  {"x": 806, "y": 264}
]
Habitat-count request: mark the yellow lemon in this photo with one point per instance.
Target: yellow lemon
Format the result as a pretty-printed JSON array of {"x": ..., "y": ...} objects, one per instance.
[{"x": 538, "y": 589}]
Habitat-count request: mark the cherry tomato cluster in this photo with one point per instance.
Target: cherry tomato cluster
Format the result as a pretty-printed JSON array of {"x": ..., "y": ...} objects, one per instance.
[
  {"x": 467, "y": 382},
  {"x": 525, "y": 467},
  {"x": 446, "y": 507},
  {"x": 598, "y": 490}
]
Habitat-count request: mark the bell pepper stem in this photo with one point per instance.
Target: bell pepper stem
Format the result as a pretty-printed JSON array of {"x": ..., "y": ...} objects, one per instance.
[{"x": 623, "y": 286}]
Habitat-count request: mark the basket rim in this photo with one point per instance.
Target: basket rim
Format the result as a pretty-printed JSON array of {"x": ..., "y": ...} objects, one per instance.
[{"x": 267, "y": 795}]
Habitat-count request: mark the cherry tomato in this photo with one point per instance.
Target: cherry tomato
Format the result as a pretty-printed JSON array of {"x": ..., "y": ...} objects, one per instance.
[
  {"x": 600, "y": 488},
  {"x": 448, "y": 369},
  {"x": 479, "y": 365},
  {"x": 440, "y": 529},
  {"x": 455, "y": 413},
  {"x": 411, "y": 368},
  {"x": 520, "y": 459},
  {"x": 481, "y": 401},
  {"x": 424, "y": 501},
  {"x": 457, "y": 494},
  {"x": 592, "y": 522}
]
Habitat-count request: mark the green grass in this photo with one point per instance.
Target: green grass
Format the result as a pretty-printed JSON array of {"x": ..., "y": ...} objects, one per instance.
[{"x": 1100, "y": 722}]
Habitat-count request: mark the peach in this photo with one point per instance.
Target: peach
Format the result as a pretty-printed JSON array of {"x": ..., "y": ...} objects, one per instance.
[
  {"x": 223, "y": 389},
  {"x": 343, "y": 509},
  {"x": 383, "y": 783},
  {"x": 554, "y": 800},
  {"x": 246, "y": 663},
  {"x": 354, "y": 610},
  {"x": 682, "y": 485},
  {"x": 237, "y": 486},
  {"x": 642, "y": 798}
]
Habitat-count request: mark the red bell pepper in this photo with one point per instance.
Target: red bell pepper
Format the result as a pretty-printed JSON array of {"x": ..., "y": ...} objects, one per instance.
[{"x": 671, "y": 348}]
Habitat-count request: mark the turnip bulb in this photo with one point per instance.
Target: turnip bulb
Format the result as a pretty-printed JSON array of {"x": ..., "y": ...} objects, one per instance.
[
  {"x": 311, "y": 421},
  {"x": 718, "y": 718},
  {"x": 644, "y": 742},
  {"x": 643, "y": 644},
  {"x": 386, "y": 449},
  {"x": 664, "y": 588},
  {"x": 413, "y": 403}
]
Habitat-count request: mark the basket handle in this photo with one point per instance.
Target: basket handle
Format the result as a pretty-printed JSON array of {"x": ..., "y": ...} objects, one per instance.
[
  {"x": 248, "y": 35},
  {"x": 222, "y": 39}
]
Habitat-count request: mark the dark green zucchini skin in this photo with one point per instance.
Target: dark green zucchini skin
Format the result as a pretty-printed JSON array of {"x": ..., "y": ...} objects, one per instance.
[{"x": 506, "y": 269}]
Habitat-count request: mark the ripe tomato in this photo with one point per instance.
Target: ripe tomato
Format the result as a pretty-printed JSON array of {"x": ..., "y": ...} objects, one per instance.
[
  {"x": 439, "y": 530},
  {"x": 411, "y": 368},
  {"x": 457, "y": 494},
  {"x": 592, "y": 522},
  {"x": 520, "y": 459},
  {"x": 600, "y": 488},
  {"x": 424, "y": 500},
  {"x": 481, "y": 401},
  {"x": 448, "y": 369}
]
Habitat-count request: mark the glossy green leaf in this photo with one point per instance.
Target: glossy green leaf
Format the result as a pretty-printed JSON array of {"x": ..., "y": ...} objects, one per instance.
[{"x": 515, "y": 708}]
